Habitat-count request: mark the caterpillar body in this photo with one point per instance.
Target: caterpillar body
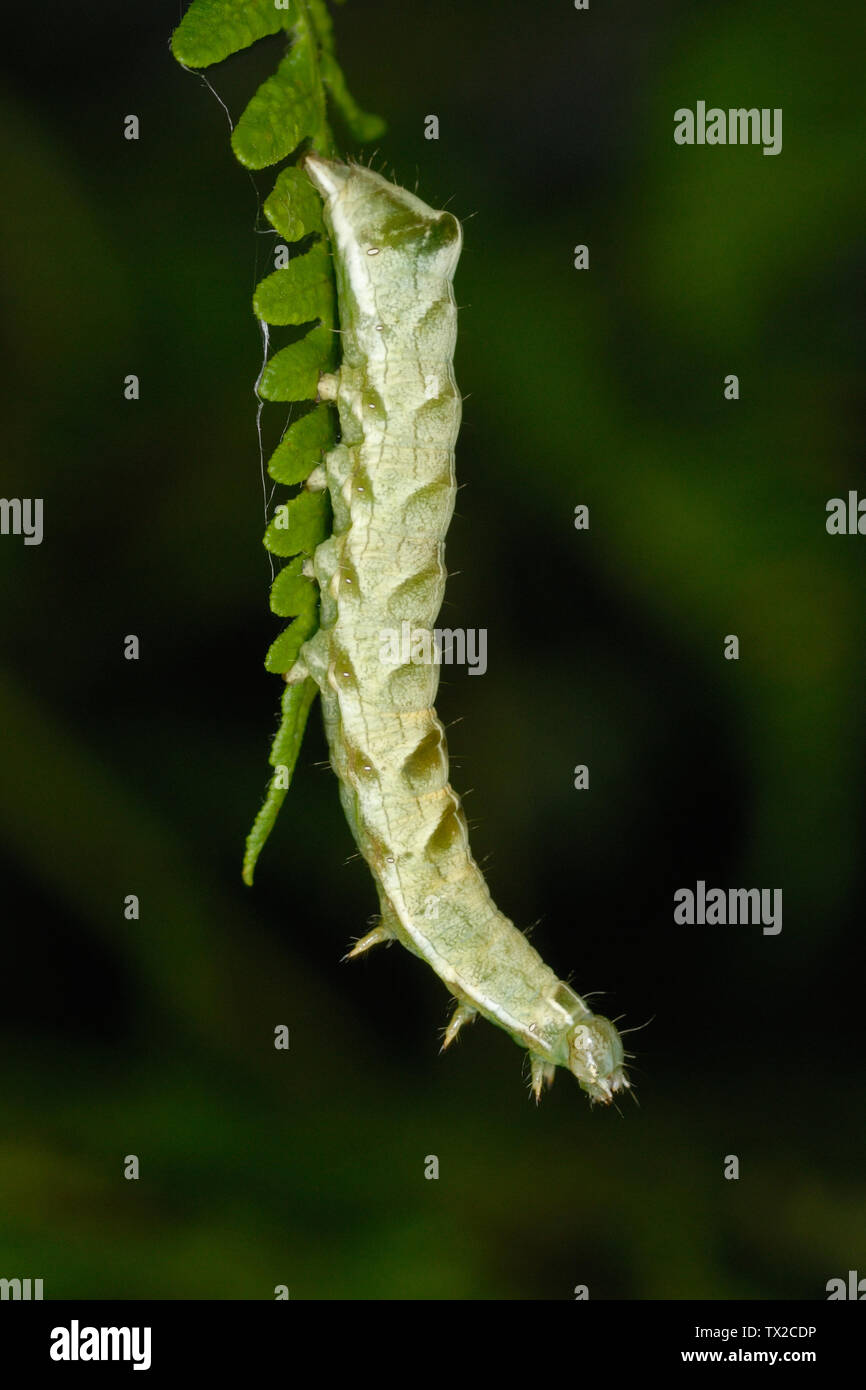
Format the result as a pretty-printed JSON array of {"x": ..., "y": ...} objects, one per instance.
[{"x": 392, "y": 486}]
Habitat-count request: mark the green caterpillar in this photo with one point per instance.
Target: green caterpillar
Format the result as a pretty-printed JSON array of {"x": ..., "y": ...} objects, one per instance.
[{"x": 392, "y": 486}]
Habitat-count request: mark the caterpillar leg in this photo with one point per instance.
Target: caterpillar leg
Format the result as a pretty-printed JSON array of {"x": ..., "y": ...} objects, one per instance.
[
  {"x": 541, "y": 1072},
  {"x": 462, "y": 1014},
  {"x": 328, "y": 385},
  {"x": 375, "y": 937}
]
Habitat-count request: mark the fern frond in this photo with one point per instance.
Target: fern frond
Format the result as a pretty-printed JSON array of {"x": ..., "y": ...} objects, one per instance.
[{"x": 287, "y": 115}]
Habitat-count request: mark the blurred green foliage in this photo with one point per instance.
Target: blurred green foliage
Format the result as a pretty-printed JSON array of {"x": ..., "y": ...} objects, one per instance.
[{"x": 707, "y": 517}]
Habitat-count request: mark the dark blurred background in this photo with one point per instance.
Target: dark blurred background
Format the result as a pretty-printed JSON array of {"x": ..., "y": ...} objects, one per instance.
[{"x": 605, "y": 387}]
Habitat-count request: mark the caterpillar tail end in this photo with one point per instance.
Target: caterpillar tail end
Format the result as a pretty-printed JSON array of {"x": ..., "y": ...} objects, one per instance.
[{"x": 596, "y": 1057}]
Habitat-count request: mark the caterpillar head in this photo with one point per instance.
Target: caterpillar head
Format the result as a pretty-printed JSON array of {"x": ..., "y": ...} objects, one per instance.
[
  {"x": 595, "y": 1056},
  {"x": 369, "y": 216}
]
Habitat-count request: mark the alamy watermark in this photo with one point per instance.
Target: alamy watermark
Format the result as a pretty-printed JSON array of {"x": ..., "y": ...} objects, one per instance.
[
  {"x": 423, "y": 646},
  {"x": 854, "y": 1287},
  {"x": 77, "y": 1343},
  {"x": 20, "y": 1289},
  {"x": 846, "y": 518},
  {"x": 737, "y": 126},
  {"x": 22, "y": 516},
  {"x": 729, "y": 907}
]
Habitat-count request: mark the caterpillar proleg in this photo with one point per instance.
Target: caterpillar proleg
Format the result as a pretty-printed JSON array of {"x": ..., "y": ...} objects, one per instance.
[{"x": 392, "y": 485}]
